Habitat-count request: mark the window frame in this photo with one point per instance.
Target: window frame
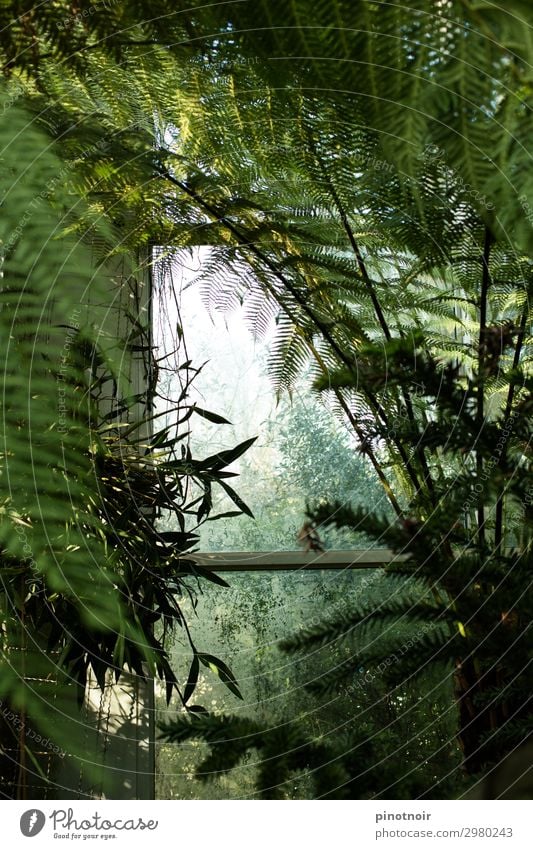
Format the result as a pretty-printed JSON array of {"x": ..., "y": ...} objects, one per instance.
[{"x": 289, "y": 561}]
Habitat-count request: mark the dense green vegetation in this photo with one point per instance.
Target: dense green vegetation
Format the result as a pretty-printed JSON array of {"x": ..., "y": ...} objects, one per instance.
[
  {"x": 362, "y": 172},
  {"x": 303, "y": 449},
  {"x": 379, "y": 740}
]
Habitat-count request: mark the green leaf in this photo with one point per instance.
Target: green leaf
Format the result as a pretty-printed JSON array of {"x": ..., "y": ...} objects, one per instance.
[
  {"x": 224, "y": 458},
  {"x": 228, "y": 515},
  {"x": 181, "y": 540},
  {"x": 236, "y": 499},
  {"x": 188, "y": 567},
  {"x": 224, "y": 672},
  {"x": 211, "y": 417},
  {"x": 161, "y": 438},
  {"x": 192, "y": 680},
  {"x": 206, "y": 504}
]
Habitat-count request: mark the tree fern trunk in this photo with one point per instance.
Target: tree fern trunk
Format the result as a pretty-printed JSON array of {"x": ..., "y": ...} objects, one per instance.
[{"x": 488, "y": 699}]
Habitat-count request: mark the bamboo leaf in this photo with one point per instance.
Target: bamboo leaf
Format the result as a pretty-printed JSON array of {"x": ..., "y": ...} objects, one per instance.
[
  {"x": 222, "y": 671},
  {"x": 211, "y": 417},
  {"x": 236, "y": 499},
  {"x": 192, "y": 680}
]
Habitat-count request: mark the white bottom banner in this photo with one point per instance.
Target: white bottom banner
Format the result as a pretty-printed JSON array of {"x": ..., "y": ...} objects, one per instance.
[{"x": 244, "y": 824}]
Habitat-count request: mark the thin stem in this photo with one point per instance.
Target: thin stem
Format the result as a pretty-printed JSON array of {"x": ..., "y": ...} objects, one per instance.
[
  {"x": 245, "y": 242},
  {"x": 498, "y": 532},
  {"x": 485, "y": 283},
  {"x": 370, "y": 454},
  {"x": 375, "y": 303},
  {"x": 301, "y": 300},
  {"x": 355, "y": 247},
  {"x": 361, "y": 436}
]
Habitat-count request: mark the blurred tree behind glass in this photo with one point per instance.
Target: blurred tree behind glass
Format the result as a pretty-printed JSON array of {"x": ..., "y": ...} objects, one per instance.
[
  {"x": 309, "y": 455},
  {"x": 304, "y": 451}
]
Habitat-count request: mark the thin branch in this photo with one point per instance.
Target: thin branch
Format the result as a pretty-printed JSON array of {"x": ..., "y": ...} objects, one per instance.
[
  {"x": 355, "y": 247},
  {"x": 375, "y": 302},
  {"x": 360, "y": 435},
  {"x": 485, "y": 283},
  {"x": 299, "y": 297},
  {"x": 498, "y": 532},
  {"x": 245, "y": 242},
  {"x": 370, "y": 454}
]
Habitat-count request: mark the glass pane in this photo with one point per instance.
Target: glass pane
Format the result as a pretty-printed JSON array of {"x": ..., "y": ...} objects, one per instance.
[
  {"x": 303, "y": 452},
  {"x": 242, "y": 625}
]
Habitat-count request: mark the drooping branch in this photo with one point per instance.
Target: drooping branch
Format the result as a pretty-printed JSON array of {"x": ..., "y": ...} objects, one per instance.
[
  {"x": 380, "y": 315},
  {"x": 498, "y": 532},
  {"x": 354, "y": 245},
  {"x": 361, "y": 436},
  {"x": 482, "y": 342},
  {"x": 247, "y": 244}
]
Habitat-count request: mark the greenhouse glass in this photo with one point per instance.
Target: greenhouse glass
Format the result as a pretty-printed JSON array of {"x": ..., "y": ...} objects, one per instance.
[
  {"x": 243, "y": 624},
  {"x": 303, "y": 451}
]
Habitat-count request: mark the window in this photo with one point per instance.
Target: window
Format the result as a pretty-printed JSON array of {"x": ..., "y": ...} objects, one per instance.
[
  {"x": 268, "y": 600},
  {"x": 302, "y": 452}
]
